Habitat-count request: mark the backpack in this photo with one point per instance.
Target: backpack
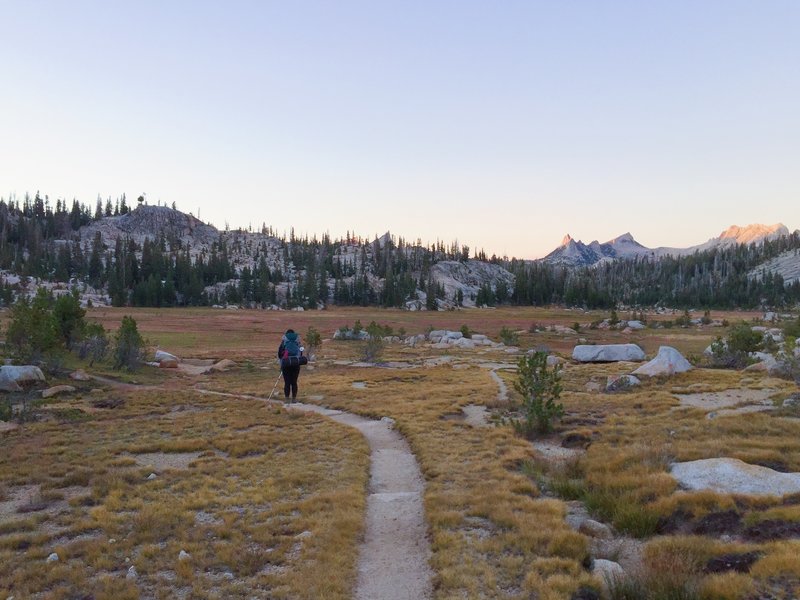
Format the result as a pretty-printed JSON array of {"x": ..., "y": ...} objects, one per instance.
[{"x": 291, "y": 345}]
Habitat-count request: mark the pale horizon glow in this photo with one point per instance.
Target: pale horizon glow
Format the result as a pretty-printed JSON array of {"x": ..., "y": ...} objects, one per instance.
[{"x": 503, "y": 126}]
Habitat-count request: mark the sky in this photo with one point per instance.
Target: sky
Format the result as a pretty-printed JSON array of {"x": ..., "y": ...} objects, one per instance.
[{"x": 503, "y": 125}]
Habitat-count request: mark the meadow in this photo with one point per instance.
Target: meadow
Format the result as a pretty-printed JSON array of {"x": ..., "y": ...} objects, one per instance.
[{"x": 269, "y": 502}]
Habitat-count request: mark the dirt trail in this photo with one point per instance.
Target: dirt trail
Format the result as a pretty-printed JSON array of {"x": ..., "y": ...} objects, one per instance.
[{"x": 393, "y": 558}]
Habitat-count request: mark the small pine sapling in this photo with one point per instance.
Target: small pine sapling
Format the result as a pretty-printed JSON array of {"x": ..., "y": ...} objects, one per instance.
[{"x": 540, "y": 388}]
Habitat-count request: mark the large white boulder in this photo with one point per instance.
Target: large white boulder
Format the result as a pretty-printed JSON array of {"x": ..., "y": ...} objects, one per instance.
[
  {"x": 21, "y": 375},
  {"x": 668, "y": 361},
  {"x": 733, "y": 476},
  {"x": 635, "y": 325},
  {"x": 464, "y": 343},
  {"x": 608, "y": 353},
  {"x": 162, "y": 356}
]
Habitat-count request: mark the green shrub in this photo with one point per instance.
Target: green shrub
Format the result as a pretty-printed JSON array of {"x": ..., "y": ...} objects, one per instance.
[
  {"x": 508, "y": 336},
  {"x": 313, "y": 338},
  {"x": 94, "y": 343},
  {"x": 377, "y": 330},
  {"x": 129, "y": 348},
  {"x": 742, "y": 338},
  {"x": 540, "y": 388},
  {"x": 32, "y": 332},
  {"x": 68, "y": 318},
  {"x": 685, "y": 320},
  {"x": 465, "y": 331},
  {"x": 372, "y": 349},
  {"x": 5, "y": 411},
  {"x": 792, "y": 329}
]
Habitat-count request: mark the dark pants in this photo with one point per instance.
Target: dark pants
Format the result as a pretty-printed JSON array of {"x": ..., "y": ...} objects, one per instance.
[{"x": 290, "y": 375}]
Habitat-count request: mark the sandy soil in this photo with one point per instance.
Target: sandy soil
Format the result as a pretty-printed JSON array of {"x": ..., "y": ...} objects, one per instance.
[
  {"x": 726, "y": 398},
  {"x": 160, "y": 461}
]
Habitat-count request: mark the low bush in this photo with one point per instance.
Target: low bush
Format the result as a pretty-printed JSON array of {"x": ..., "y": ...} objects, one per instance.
[
  {"x": 372, "y": 349},
  {"x": 93, "y": 345},
  {"x": 313, "y": 338},
  {"x": 792, "y": 329},
  {"x": 508, "y": 336},
  {"x": 742, "y": 338}
]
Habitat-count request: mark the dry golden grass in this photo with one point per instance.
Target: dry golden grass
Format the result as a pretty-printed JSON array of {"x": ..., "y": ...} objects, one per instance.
[
  {"x": 271, "y": 500},
  {"x": 491, "y": 534},
  {"x": 263, "y": 477}
]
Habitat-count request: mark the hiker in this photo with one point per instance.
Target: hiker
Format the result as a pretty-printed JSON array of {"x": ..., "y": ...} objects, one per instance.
[{"x": 290, "y": 353}]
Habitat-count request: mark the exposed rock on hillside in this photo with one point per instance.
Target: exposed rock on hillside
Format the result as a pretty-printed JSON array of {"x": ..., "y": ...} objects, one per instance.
[
  {"x": 152, "y": 222},
  {"x": 469, "y": 277},
  {"x": 787, "y": 265}
]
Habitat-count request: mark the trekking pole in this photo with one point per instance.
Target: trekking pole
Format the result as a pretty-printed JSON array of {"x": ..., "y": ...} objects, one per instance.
[{"x": 274, "y": 387}]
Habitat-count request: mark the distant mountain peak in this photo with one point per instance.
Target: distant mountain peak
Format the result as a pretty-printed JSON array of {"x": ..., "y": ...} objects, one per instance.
[
  {"x": 573, "y": 253},
  {"x": 625, "y": 238},
  {"x": 754, "y": 232}
]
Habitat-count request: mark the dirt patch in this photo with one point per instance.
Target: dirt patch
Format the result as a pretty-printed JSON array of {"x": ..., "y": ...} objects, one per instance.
[
  {"x": 552, "y": 450},
  {"x": 161, "y": 461},
  {"x": 727, "y": 522},
  {"x": 475, "y": 415},
  {"x": 739, "y": 563},
  {"x": 773, "y": 529},
  {"x": 17, "y": 499},
  {"x": 736, "y": 397},
  {"x": 7, "y": 426},
  {"x": 576, "y": 440}
]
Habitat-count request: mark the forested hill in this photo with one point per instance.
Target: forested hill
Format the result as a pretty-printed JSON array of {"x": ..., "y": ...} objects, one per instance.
[{"x": 159, "y": 256}]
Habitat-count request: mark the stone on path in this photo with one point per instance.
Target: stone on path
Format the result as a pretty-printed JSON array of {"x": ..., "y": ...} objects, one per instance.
[
  {"x": 80, "y": 375},
  {"x": 733, "y": 476},
  {"x": 223, "y": 365},
  {"x": 668, "y": 361},
  {"x": 58, "y": 389},
  {"x": 608, "y": 353}
]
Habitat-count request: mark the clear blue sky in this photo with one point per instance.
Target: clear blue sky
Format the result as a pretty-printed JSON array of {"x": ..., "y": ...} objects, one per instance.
[{"x": 503, "y": 124}]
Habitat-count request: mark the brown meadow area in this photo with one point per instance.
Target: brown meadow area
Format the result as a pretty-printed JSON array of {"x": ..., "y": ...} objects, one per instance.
[{"x": 119, "y": 479}]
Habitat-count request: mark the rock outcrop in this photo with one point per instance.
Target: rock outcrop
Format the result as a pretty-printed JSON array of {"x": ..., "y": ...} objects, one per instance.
[
  {"x": 668, "y": 361},
  {"x": 733, "y": 476},
  {"x": 21, "y": 375},
  {"x": 608, "y": 353}
]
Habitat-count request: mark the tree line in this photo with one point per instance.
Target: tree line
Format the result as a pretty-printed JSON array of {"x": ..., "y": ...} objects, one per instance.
[{"x": 40, "y": 240}]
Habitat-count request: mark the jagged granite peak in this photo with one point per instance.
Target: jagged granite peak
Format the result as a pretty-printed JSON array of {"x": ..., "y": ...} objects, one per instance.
[{"x": 573, "y": 253}]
